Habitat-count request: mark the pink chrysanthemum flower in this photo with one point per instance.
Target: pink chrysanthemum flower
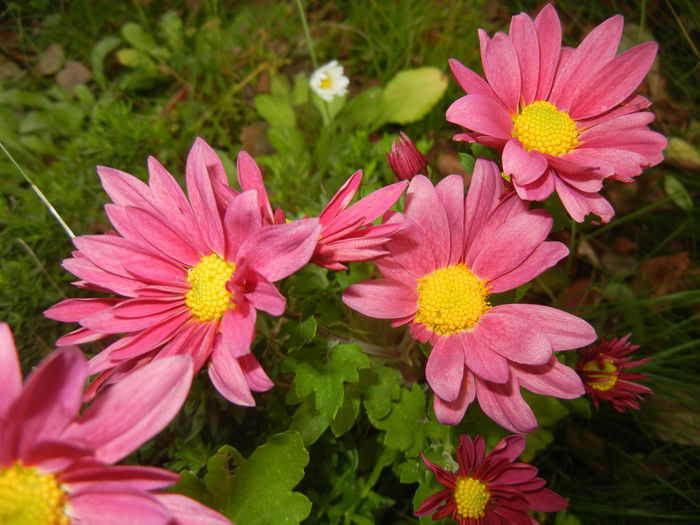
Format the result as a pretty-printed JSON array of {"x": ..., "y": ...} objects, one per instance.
[
  {"x": 56, "y": 466},
  {"x": 347, "y": 233},
  {"x": 489, "y": 489},
  {"x": 405, "y": 160},
  {"x": 191, "y": 277},
  {"x": 439, "y": 276},
  {"x": 565, "y": 119},
  {"x": 603, "y": 369}
]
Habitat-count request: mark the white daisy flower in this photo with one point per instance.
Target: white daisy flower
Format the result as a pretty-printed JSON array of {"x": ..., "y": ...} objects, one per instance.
[{"x": 329, "y": 82}]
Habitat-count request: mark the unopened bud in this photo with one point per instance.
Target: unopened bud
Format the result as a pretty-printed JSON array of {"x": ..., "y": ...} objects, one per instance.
[{"x": 405, "y": 159}]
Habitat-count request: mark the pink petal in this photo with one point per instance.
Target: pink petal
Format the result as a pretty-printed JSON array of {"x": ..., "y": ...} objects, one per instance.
[
  {"x": 73, "y": 310},
  {"x": 250, "y": 178},
  {"x": 382, "y": 299},
  {"x": 255, "y": 376},
  {"x": 408, "y": 253},
  {"x": 564, "y": 331},
  {"x": 10, "y": 372},
  {"x": 450, "y": 192},
  {"x": 424, "y": 207},
  {"x": 79, "y": 336},
  {"x": 342, "y": 198},
  {"x": 614, "y": 82},
  {"x": 482, "y": 197},
  {"x": 264, "y": 296},
  {"x": 505, "y": 405},
  {"x": 544, "y": 500},
  {"x": 513, "y": 336},
  {"x": 470, "y": 82},
  {"x": 524, "y": 37},
  {"x": 199, "y": 188},
  {"x": 118, "y": 422},
  {"x": 502, "y": 70},
  {"x": 190, "y": 512},
  {"x": 482, "y": 115},
  {"x": 548, "y": 28},
  {"x": 238, "y": 329},
  {"x": 278, "y": 251},
  {"x": 542, "y": 258},
  {"x": 215, "y": 167},
  {"x": 524, "y": 166},
  {"x": 117, "y": 506},
  {"x": 538, "y": 190},
  {"x": 241, "y": 221},
  {"x": 445, "y": 368},
  {"x": 552, "y": 379},
  {"x": 125, "y": 189},
  {"x": 228, "y": 377},
  {"x": 452, "y": 412},
  {"x": 482, "y": 361},
  {"x": 141, "y": 478},
  {"x": 163, "y": 237},
  {"x": 87, "y": 271},
  {"x": 54, "y": 455},
  {"x": 579, "y": 204}
]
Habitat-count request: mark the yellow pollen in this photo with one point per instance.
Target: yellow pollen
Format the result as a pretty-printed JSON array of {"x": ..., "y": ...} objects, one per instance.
[
  {"x": 451, "y": 300},
  {"x": 326, "y": 82},
  {"x": 542, "y": 127},
  {"x": 208, "y": 299},
  {"x": 28, "y": 497},
  {"x": 471, "y": 497},
  {"x": 608, "y": 373}
]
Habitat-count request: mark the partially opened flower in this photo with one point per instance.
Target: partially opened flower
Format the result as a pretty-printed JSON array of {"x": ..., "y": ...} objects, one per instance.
[
  {"x": 405, "y": 159},
  {"x": 603, "y": 368},
  {"x": 56, "y": 465},
  {"x": 190, "y": 276},
  {"x": 347, "y": 233},
  {"x": 439, "y": 277},
  {"x": 565, "y": 119},
  {"x": 328, "y": 81},
  {"x": 489, "y": 489}
]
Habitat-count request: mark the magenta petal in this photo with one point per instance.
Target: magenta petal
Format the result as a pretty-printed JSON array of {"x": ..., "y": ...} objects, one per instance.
[
  {"x": 553, "y": 379},
  {"x": 548, "y": 28},
  {"x": 579, "y": 204},
  {"x": 263, "y": 295},
  {"x": 342, "y": 198},
  {"x": 10, "y": 372},
  {"x": 190, "y": 512},
  {"x": 255, "y": 376},
  {"x": 482, "y": 361},
  {"x": 162, "y": 236},
  {"x": 513, "y": 336},
  {"x": 614, "y": 82},
  {"x": 242, "y": 220},
  {"x": 382, "y": 298},
  {"x": 250, "y": 178},
  {"x": 55, "y": 455},
  {"x": 545, "y": 500},
  {"x": 424, "y": 207},
  {"x": 450, "y": 191},
  {"x": 445, "y": 368},
  {"x": 470, "y": 82},
  {"x": 524, "y": 37},
  {"x": 483, "y": 196},
  {"x": 125, "y": 189},
  {"x": 502, "y": 70},
  {"x": 111, "y": 505},
  {"x": 228, "y": 377},
  {"x": 199, "y": 188},
  {"x": 452, "y": 412},
  {"x": 141, "y": 478},
  {"x": 278, "y": 251},
  {"x": 505, "y": 405},
  {"x": 73, "y": 310},
  {"x": 538, "y": 190},
  {"x": 238, "y": 329},
  {"x": 118, "y": 422},
  {"x": 544, "y": 257},
  {"x": 482, "y": 115},
  {"x": 524, "y": 166}
]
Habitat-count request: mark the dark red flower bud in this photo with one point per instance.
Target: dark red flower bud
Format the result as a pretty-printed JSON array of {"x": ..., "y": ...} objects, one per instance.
[{"x": 405, "y": 159}]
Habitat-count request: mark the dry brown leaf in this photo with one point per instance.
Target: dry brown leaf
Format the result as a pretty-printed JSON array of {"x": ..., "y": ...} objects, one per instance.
[
  {"x": 51, "y": 60},
  {"x": 664, "y": 274},
  {"x": 8, "y": 69},
  {"x": 73, "y": 75}
]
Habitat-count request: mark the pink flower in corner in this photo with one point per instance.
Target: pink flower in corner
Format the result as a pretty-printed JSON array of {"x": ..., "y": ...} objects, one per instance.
[
  {"x": 191, "y": 276},
  {"x": 56, "y": 466},
  {"x": 489, "y": 489},
  {"x": 347, "y": 233},
  {"x": 565, "y": 119},
  {"x": 603, "y": 369},
  {"x": 441, "y": 271}
]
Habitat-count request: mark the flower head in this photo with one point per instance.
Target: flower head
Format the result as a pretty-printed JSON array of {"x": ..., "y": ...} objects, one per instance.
[
  {"x": 489, "y": 488},
  {"x": 56, "y": 466},
  {"x": 443, "y": 268},
  {"x": 347, "y": 233},
  {"x": 565, "y": 119},
  {"x": 329, "y": 82},
  {"x": 405, "y": 159},
  {"x": 190, "y": 275},
  {"x": 603, "y": 369}
]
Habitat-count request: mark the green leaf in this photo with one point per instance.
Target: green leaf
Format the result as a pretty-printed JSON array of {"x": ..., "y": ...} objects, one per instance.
[
  {"x": 276, "y": 110},
  {"x": 171, "y": 29},
  {"x": 300, "y": 93},
  {"x": 404, "y": 424},
  {"x": 411, "y": 94},
  {"x": 135, "y": 35},
  {"x": 309, "y": 422},
  {"x": 287, "y": 139},
  {"x": 365, "y": 109},
  {"x": 677, "y": 193},
  {"x": 347, "y": 414},
  {"x": 258, "y": 490},
  {"x": 97, "y": 57},
  {"x": 381, "y": 386}
]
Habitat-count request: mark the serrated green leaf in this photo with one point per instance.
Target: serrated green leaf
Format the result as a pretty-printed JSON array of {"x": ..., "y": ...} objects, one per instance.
[
  {"x": 381, "y": 386},
  {"x": 677, "y": 193},
  {"x": 411, "y": 94},
  {"x": 276, "y": 110},
  {"x": 323, "y": 371},
  {"x": 347, "y": 414},
  {"x": 309, "y": 422},
  {"x": 258, "y": 490},
  {"x": 404, "y": 424}
]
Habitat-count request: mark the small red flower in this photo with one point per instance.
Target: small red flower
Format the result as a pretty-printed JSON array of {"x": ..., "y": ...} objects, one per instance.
[
  {"x": 602, "y": 368},
  {"x": 405, "y": 159},
  {"x": 489, "y": 488}
]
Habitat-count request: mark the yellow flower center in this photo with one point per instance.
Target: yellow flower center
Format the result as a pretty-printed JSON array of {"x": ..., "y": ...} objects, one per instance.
[
  {"x": 451, "y": 300},
  {"x": 542, "y": 127},
  {"x": 471, "y": 497},
  {"x": 326, "y": 82},
  {"x": 28, "y": 497},
  {"x": 608, "y": 373},
  {"x": 208, "y": 299}
]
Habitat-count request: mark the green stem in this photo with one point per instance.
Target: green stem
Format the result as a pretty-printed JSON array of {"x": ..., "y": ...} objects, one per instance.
[{"x": 307, "y": 34}]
